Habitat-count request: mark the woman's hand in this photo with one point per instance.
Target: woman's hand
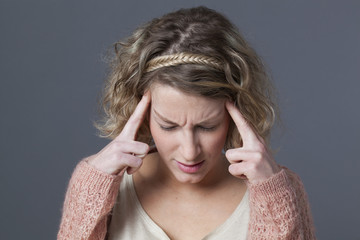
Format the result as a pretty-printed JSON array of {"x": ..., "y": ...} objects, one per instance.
[
  {"x": 124, "y": 152},
  {"x": 253, "y": 160}
]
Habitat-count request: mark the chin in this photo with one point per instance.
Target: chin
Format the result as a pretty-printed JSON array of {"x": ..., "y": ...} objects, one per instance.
[{"x": 191, "y": 178}]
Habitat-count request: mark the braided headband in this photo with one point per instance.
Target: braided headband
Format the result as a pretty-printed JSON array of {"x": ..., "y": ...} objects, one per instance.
[{"x": 182, "y": 58}]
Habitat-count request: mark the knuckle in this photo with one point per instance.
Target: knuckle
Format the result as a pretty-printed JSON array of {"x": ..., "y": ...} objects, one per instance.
[
  {"x": 258, "y": 156},
  {"x": 124, "y": 159},
  {"x": 135, "y": 162},
  {"x": 141, "y": 147},
  {"x": 228, "y": 153},
  {"x": 233, "y": 168},
  {"x": 117, "y": 146},
  {"x": 145, "y": 147},
  {"x": 252, "y": 167}
]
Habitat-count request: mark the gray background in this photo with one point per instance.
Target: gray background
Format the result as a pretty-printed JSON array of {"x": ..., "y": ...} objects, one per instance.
[{"x": 52, "y": 70}]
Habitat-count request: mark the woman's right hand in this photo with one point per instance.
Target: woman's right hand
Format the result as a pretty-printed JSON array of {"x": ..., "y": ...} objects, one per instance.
[{"x": 124, "y": 153}]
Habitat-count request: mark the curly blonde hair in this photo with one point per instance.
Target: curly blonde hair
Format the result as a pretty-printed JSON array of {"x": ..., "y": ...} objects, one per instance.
[{"x": 225, "y": 67}]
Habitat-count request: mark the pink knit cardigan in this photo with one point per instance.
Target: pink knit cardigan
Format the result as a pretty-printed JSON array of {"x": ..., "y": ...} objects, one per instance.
[{"x": 279, "y": 208}]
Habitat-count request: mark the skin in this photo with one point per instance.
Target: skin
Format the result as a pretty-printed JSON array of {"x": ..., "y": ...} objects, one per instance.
[
  {"x": 187, "y": 130},
  {"x": 190, "y": 130},
  {"x": 253, "y": 160},
  {"x": 124, "y": 153}
]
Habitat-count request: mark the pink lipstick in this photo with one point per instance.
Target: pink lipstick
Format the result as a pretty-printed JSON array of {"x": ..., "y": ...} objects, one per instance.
[{"x": 190, "y": 168}]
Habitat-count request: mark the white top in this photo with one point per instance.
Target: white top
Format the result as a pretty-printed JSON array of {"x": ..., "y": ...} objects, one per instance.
[{"x": 130, "y": 221}]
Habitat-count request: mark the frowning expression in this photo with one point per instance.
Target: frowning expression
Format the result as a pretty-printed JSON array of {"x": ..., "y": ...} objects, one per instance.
[{"x": 189, "y": 132}]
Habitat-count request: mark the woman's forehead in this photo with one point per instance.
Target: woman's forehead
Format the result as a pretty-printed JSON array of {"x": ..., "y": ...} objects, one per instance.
[
  {"x": 172, "y": 104},
  {"x": 166, "y": 92}
]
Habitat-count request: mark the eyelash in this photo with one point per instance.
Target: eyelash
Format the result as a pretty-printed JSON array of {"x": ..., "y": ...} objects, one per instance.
[
  {"x": 167, "y": 128},
  {"x": 205, "y": 129}
]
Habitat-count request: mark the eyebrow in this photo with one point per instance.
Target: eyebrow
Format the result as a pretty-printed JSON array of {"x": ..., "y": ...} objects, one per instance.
[
  {"x": 163, "y": 118},
  {"x": 206, "y": 121}
]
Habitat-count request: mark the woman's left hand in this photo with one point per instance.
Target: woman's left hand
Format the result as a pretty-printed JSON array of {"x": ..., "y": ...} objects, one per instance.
[{"x": 252, "y": 161}]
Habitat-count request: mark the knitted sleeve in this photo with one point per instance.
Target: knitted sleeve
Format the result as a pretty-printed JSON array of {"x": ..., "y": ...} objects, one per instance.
[
  {"x": 89, "y": 199},
  {"x": 279, "y": 209}
]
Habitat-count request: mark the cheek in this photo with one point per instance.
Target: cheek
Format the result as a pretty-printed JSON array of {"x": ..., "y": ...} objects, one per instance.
[
  {"x": 160, "y": 138},
  {"x": 216, "y": 142}
]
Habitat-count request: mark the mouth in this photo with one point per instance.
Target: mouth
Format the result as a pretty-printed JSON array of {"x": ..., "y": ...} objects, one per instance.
[{"x": 190, "y": 168}]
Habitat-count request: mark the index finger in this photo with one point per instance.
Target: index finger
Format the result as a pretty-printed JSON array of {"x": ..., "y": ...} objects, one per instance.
[
  {"x": 247, "y": 133},
  {"x": 131, "y": 127}
]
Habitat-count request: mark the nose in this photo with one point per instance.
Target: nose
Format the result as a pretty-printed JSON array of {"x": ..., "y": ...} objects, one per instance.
[{"x": 189, "y": 146}]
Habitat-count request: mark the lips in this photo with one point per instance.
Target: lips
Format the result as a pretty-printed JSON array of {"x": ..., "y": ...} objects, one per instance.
[{"x": 190, "y": 168}]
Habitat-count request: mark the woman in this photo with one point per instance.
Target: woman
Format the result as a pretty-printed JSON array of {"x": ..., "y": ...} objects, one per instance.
[{"x": 189, "y": 109}]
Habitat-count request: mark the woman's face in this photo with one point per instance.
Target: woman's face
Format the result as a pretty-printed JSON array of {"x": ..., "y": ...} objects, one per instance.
[{"x": 189, "y": 132}]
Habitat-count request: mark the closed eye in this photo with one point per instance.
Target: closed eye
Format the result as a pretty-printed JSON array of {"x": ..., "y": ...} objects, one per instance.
[
  {"x": 207, "y": 129},
  {"x": 167, "y": 128},
  {"x": 201, "y": 128}
]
